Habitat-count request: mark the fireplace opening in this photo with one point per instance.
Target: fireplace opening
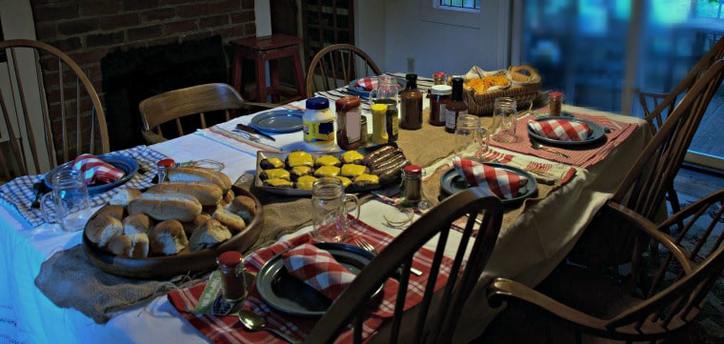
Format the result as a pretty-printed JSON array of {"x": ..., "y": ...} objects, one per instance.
[{"x": 130, "y": 76}]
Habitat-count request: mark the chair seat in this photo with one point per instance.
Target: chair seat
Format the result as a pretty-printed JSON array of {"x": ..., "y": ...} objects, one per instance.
[{"x": 592, "y": 292}]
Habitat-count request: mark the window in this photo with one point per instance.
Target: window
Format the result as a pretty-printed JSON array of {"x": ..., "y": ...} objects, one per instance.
[{"x": 461, "y": 4}]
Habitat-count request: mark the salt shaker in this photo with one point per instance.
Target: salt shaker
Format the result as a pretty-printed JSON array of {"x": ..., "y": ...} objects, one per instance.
[
  {"x": 412, "y": 184},
  {"x": 233, "y": 284},
  {"x": 162, "y": 167},
  {"x": 555, "y": 102}
]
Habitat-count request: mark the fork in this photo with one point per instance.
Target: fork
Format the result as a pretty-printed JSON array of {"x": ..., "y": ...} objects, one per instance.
[{"x": 363, "y": 244}]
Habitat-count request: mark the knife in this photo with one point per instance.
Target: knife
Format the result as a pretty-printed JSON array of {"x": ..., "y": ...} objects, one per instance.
[{"x": 249, "y": 129}]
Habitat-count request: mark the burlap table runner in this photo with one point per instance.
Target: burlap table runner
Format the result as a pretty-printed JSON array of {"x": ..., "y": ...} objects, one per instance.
[
  {"x": 426, "y": 145},
  {"x": 70, "y": 280}
]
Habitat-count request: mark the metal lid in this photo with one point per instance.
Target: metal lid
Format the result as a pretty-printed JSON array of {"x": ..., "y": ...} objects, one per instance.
[
  {"x": 168, "y": 163},
  {"x": 229, "y": 259},
  {"x": 346, "y": 103},
  {"x": 441, "y": 90},
  {"x": 317, "y": 103},
  {"x": 378, "y": 107},
  {"x": 412, "y": 169},
  {"x": 438, "y": 75}
]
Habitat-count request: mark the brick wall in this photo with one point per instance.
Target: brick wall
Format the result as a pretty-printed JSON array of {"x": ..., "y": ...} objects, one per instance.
[{"x": 88, "y": 29}]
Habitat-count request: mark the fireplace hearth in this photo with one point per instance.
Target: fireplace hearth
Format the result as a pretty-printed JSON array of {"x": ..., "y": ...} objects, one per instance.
[{"x": 130, "y": 76}]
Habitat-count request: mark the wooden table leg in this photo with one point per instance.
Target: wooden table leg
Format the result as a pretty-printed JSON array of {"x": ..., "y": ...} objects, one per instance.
[
  {"x": 260, "y": 80},
  {"x": 299, "y": 75},
  {"x": 274, "y": 76},
  {"x": 236, "y": 72}
]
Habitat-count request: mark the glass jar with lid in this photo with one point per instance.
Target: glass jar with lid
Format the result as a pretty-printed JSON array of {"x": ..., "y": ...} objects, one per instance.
[
  {"x": 440, "y": 97},
  {"x": 318, "y": 122},
  {"x": 349, "y": 122}
]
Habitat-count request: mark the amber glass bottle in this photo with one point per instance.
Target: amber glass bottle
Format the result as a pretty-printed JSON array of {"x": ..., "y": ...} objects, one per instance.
[
  {"x": 411, "y": 104},
  {"x": 455, "y": 107}
]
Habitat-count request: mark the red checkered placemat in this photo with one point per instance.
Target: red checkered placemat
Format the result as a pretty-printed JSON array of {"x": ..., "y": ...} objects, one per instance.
[
  {"x": 229, "y": 330},
  {"x": 585, "y": 158}
]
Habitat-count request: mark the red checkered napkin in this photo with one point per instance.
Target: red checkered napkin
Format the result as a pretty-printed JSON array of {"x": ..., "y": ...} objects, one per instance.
[
  {"x": 318, "y": 269},
  {"x": 367, "y": 83},
  {"x": 561, "y": 129},
  {"x": 502, "y": 183},
  {"x": 95, "y": 170}
]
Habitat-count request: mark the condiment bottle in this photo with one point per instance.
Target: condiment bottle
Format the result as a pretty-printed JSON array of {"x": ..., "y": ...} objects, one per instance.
[
  {"x": 439, "y": 78},
  {"x": 412, "y": 185},
  {"x": 455, "y": 106},
  {"x": 363, "y": 134},
  {"x": 440, "y": 97},
  {"x": 318, "y": 122},
  {"x": 411, "y": 104},
  {"x": 233, "y": 284},
  {"x": 391, "y": 123},
  {"x": 379, "y": 123},
  {"x": 555, "y": 102},
  {"x": 349, "y": 121},
  {"x": 162, "y": 167}
]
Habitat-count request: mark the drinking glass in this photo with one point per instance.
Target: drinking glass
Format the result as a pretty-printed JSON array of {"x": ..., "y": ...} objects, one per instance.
[
  {"x": 386, "y": 91},
  {"x": 329, "y": 206},
  {"x": 67, "y": 204},
  {"x": 505, "y": 115},
  {"x": 467, "y": 132}
]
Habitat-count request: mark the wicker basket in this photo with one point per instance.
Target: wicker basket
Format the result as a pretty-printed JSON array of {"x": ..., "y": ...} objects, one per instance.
[{"x": 482, "y": 104}]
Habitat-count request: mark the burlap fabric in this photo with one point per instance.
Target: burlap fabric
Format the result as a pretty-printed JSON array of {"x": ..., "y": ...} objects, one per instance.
[{"x": 70, "y": 280}]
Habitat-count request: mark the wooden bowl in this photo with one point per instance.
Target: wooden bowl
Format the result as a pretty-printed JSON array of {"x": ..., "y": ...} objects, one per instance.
[{"x": 169, "y": 266}]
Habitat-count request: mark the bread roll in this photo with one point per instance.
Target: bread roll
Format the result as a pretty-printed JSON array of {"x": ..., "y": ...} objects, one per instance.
[
  {"x": 168, "y": 238},
  {"x": 131, "y": 246},
  {"x": 206, "y": 193},
  {"x": 166, "y": 206},
  {"x": 234, "y": 222},
  {"x": 228, "y": 197},
  {"x": 114, "y": 211},
  {"x": 140, "y": 245},
  {"x": 136, "y": 223},
  {"x": 102, "y": 228},
  {"x": 196, "y": 174},
  {"x": 208, "y": 235},
  {"x": 243, "y": 206},
  {"x": 124, "y": 197}
]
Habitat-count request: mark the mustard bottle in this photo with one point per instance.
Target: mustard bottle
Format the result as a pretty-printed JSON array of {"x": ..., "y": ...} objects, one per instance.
[{"x": 379, "y": 126}]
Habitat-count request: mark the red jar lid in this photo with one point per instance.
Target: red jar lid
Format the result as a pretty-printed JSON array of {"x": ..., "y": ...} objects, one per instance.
[
  {"x": 412, "y": 169},
  {"x": 347, "y": 103},
  {"x": 438, "y": 75},
  {"x": 229, "y": 259},
  {"x": 555, "y": 94},
  {"x": 166, "y": 163}
]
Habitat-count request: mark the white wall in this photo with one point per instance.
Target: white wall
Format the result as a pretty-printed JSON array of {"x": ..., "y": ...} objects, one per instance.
[{"x": 435, "y": 39}]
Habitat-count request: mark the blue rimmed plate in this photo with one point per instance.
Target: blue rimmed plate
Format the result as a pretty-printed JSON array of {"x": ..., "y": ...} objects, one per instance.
[
  {"x": 598, "y": 132},
  {"x": 452, "y": 182},
  {"x": 128, "y": 165},
  {"x": 288, "y": 294},
  {"x": 278, "y": 121}
]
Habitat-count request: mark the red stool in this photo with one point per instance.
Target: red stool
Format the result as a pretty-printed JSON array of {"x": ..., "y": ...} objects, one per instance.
[{"x": 261, "y": 50}]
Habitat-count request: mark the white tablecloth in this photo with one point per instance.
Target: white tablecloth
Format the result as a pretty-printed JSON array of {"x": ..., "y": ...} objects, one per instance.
[{"x": 527, "y": 250}]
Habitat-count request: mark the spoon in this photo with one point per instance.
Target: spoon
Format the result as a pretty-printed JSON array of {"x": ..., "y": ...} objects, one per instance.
[
  {"x": 254, "y": 323},
  {"x": 536, "y": 145}
]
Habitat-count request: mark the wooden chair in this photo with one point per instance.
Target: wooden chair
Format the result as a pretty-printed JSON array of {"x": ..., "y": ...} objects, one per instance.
[
  {"x": 336, "y": 66},
  {"x": 65, "y": 120},
  {"x": 645, "y": 185},
  {"x": 658, "y": 106},
  {"x": 663, "y": 305},
  {"x": 437, "y": 327},
  {"x": 173, "y": 105}
]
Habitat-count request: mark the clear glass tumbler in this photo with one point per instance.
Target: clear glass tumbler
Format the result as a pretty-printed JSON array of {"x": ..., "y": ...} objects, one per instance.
[
  {"x": 67, "y": 204},
  {"x": 467, "y": 133},
  {"x": 505, "y": 118},
  {"x": 329, "y": 204}
]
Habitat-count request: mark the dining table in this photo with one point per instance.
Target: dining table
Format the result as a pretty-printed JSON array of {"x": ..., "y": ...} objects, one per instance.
[{"x": 532, "y": 241}]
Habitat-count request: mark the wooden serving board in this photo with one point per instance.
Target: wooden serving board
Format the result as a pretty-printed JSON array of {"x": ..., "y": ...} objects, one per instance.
[{"x": 180, "y": 264}]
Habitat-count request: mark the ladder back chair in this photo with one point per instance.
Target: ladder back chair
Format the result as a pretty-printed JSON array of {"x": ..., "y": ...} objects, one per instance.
[
  {"x": 336, "y": 66},
  {"x": 658, "y": 106},
  {"x": 57, "y": 112},
  {"x": 644, "y": 187},
  {"x": 668, "y": 297},
  {"x": 195, "y": 100},
  {"x": 439, "y": 325}
]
